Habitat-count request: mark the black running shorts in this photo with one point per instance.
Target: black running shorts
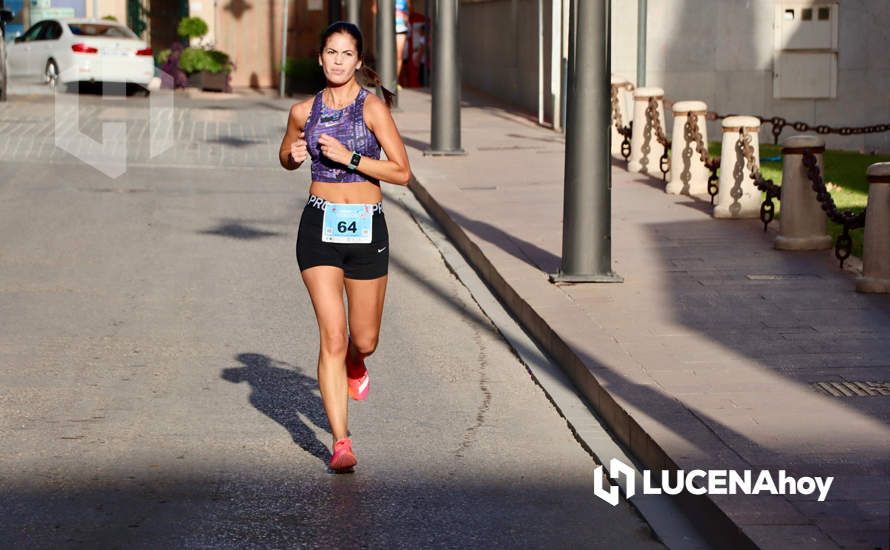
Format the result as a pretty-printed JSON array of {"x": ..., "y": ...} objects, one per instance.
[{"x": 357, "y": 260}]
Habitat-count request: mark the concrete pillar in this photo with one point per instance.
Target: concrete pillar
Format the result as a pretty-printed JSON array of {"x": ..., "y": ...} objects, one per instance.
[
  {"x": 737, "y": 196},
  {"x": 876, "y": 246},
  {"x": 645, "y": 150},
  {"x": 386, "y": 48},
  {"x": 619, "y": 85},
  {"x": 689, "y": 175},
  {"x": 803, "y": 225}
]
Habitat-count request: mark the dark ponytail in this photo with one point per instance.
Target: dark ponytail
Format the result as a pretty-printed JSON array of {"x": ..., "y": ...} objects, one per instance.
[
  {"x": 369, "y": 78},
  {"x": 372, "y": 80}
]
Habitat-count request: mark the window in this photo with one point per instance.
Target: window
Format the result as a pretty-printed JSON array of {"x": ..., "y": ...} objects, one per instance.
[
  {"x": 100, "y": 29},
  {"x": 31, "y": 34},
  {"x": 51, "y": 31},
  {"x": 824, "y": 14},
  {"x": 807, "y": 14}
]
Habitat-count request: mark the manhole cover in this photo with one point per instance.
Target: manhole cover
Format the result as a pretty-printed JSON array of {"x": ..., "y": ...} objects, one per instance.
[{"x": 852, "y": 389}]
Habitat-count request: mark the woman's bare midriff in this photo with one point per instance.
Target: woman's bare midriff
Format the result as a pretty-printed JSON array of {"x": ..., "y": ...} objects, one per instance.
[{"x": 353, "y": 192}]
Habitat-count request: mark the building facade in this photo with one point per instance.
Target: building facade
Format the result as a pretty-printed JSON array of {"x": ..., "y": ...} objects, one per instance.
[{"x": 817, "y": 61}]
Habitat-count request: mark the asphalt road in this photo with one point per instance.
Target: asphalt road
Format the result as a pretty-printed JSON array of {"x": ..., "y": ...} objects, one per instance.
[{"x": 157, "y": 383}]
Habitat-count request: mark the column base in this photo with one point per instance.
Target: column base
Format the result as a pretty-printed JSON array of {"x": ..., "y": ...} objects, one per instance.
[
  {"x": 873, "y": 285},
  {"x": 564, "y": 278},
  {"x": 443, "y": 153},
  {"x": 676, "y": 188},
  {"x": 816, "y": 242},
  {"x": 738, "y": 212}
]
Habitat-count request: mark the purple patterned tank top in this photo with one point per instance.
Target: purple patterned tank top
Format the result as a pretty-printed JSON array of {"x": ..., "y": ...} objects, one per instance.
[{"x": 348, "y": 126}]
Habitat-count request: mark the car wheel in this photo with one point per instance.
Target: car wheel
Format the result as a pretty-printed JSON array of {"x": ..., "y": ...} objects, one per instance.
[{"x": 51, "y": 74}]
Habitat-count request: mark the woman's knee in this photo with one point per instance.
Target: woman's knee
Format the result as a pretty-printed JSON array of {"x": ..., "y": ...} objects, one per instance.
[
  {"x": 365, "y": 344},
  {"x": 334, "y": 343}
]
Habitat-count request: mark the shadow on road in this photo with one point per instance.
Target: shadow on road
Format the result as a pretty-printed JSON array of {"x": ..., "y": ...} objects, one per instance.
[
  {"x": 237, "y": 230},
  {"x": 283, "y": 393}
]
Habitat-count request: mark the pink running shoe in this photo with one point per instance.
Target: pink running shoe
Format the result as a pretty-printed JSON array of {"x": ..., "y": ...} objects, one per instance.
[
  {"x": 357, "y": 379},
  {"x": 343, "y": 458}
]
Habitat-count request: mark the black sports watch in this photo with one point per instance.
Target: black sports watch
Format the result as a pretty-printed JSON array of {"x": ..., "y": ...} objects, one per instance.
[{"x": 353, "y": 162}]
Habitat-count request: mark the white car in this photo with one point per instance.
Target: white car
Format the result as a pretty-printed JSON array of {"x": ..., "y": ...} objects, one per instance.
[{"x": 67, "y": 51}]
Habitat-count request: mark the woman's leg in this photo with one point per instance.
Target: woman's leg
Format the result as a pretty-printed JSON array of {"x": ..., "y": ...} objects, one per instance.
[
  {"x": 365, "y": 298},
  {"x": 400, "y": 51},
  {"x": 325, "y": 286}
]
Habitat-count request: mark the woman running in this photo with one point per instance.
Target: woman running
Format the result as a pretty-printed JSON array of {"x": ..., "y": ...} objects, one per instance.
[{"x": 343, "y": 240}]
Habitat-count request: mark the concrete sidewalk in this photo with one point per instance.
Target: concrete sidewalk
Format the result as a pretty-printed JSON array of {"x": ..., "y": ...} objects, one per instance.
[{"x": 709, "y": 353}]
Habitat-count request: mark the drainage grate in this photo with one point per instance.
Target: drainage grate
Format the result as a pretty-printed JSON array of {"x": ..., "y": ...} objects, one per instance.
[
  {"x": 780, "y": 277},
  {"x": 852, "y": 389}
]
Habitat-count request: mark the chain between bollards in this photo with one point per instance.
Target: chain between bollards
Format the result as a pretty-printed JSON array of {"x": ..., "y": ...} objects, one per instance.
[{"x": 664, "y": 163}]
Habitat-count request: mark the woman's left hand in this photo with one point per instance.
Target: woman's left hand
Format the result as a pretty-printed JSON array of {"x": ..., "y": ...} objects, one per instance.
[{"x": 333, "y": 149}]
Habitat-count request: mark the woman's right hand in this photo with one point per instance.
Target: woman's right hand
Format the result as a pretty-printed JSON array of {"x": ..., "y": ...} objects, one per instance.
[{"x": 298, "y": 150}]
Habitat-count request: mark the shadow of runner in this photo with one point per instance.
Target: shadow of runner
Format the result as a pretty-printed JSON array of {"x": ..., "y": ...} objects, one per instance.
[{"x": 280, "y": 392}]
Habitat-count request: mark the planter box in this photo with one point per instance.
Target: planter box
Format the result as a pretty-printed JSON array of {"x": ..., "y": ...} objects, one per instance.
[{"x": 208, "y": 81}]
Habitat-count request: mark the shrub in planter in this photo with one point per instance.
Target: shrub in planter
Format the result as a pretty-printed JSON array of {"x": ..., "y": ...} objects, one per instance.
[
  {"x": 194, "y": 60},
  {"x": 200, "y": 66},
  {"x": 206, "y": 69},
  {"x": 192, "y": 27},
  {"x": 170, "y": 65}
]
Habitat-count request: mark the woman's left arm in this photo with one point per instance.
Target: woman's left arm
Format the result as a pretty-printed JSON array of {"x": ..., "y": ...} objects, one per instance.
[{"x": 379, "y": 120}]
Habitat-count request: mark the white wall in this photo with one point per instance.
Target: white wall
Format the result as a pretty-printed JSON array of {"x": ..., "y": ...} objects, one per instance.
[
  {"x": 718, "y": 51},
  {"x": 499, "y": 49}
]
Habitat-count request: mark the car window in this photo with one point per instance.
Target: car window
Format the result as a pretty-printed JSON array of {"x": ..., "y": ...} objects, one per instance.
[
  {"x": 52, "y": 31},
  {"x": 101, "y": 29},
  {"x": 31, "y": 34}
]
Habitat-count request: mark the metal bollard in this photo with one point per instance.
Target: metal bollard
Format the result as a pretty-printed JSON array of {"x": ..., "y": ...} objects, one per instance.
[
  {"x": 645, "y": 150},
  {"x": 689, "y": 175},
  {"x": 619, "y": 85},
  {"x": 803, "y": 225},
  {"x": 876, "y": 246},
  {"x": 737, "y": 196}
]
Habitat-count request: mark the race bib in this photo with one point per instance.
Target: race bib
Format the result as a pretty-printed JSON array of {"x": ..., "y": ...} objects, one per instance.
[{"x": 346, "y": 223}]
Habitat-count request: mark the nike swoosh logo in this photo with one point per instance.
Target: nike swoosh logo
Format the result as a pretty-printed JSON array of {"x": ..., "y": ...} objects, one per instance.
[{"x": 379, "y": 250}]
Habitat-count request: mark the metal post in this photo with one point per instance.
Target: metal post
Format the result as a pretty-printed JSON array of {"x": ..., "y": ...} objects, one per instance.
[
  {"x": 564, "y": 54},
  {"x": 642, "y": 18},
  {"x": 353, "y": 12},
  {"x": 587, "y": 241},
  {"x": 556, "y": 62},
  {"x": 281, "y": 76},
  {"x": 334, "y": 12},
  {"x": 540, "y": 16},
  {"x": 428, "y": 30},
  {"x": 386, "y": 47},
  {"x": 445, "y": 124}
]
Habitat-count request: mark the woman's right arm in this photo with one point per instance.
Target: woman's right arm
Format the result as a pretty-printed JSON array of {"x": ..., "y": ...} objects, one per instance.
[{"x": 293, "y": 152}]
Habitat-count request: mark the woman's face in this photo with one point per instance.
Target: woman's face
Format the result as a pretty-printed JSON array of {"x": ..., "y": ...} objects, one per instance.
[{"x": 339, "y": 58}]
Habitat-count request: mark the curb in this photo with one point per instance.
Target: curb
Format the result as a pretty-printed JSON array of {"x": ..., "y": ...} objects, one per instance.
[{"x": 713, "y": 522}]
